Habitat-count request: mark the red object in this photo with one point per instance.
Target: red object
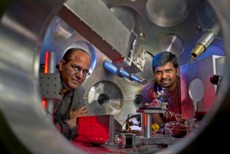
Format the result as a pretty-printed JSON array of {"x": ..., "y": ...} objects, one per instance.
[
  {"x": 46, "y": 69},
  {"x": 47, "y": 62},
  {"x": 152, "y": 95},
  {"x": 44, "y": 103},
  {"x": 94, "y": 129}
]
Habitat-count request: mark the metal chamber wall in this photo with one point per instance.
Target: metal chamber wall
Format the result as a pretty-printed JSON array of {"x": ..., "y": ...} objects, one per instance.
[{"x": 25, "y": 126}]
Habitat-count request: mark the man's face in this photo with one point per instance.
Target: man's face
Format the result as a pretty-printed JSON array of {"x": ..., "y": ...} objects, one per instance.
[
  {"x": 72, "y": 72},
  {"x": 166, "y": 75}
]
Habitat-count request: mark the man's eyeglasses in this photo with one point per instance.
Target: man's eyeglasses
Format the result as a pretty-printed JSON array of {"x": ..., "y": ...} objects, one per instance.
[{"x": 77, "y": 69}]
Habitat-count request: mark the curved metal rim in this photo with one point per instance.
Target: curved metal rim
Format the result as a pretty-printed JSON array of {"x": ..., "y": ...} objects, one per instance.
[{"x": 211, "y": 127}]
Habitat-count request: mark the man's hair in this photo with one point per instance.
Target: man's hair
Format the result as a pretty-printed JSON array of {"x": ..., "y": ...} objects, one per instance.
[
  {"x": 164, "y": 57},
  {"x": 69, "y": 53}
]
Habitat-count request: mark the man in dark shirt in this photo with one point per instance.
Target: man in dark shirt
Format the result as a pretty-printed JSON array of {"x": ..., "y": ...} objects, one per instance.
[{"x": 73, "y": 69}]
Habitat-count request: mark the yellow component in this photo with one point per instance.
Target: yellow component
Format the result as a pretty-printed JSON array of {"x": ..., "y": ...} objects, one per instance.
[{"x": 155, "y": 127}]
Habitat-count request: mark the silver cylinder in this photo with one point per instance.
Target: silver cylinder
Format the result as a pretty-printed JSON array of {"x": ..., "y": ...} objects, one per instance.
[{"x": 146, "y": 124}]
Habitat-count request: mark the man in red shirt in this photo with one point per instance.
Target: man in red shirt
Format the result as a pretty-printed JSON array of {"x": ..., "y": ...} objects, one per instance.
[{"x": 165, "y": 70}]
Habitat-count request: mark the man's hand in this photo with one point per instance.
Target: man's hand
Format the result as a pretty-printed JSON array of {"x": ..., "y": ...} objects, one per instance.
[
  {"x": 74, "y": 114},
  {"x": 78, "y": 113}
]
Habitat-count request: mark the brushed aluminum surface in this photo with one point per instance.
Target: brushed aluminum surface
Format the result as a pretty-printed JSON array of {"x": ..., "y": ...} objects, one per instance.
[{"x": 21, "y": 38}]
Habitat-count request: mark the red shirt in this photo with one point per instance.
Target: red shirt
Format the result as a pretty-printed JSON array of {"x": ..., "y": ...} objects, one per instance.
[{"x": 174, "y": 97}]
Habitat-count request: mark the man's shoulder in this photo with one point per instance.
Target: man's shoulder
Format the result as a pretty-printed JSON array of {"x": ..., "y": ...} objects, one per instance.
[
  {"x": 79, "y": 88},
  {"x": 149, "y": 85},
  {"x": 78, "y": 93}
]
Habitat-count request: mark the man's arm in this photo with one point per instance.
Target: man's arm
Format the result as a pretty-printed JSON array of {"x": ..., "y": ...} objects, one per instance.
[
  {"x": 82, "y": 111},
  {"x": 65, "y": 129},
  {"x": 68, "y": 127}
]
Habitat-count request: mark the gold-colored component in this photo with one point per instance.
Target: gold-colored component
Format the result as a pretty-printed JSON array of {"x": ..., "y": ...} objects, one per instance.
[
  {"x": 198, "y": 50},
  {"x": 155, "y": 127}
]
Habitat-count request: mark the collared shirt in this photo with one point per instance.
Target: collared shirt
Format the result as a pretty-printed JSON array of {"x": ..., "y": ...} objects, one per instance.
[{"x": 71, "y": 101}]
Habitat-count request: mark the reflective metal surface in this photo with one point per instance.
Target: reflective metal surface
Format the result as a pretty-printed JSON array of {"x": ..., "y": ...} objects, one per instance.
[
  {"x": 25, "y": 126},
  {"x": 110, "y": 94},
  {"x": 195, "y": 78},
  {"x": 186, "y": 25},
  {"x": 214, "y": 125},
  {"x": 105, "y": 98},
  {"x": 23, "y": 42},
  {"x": 167, "y": 13},
  {"x": 172, "y": 43}
]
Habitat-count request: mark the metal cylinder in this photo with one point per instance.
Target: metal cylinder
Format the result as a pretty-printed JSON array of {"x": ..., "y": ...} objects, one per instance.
[
  {"x": 110, "y": 67},
  {"x": 52, "y": 62},
  {"x": 146, "y": 124},
  {"x": 204, "y": 42}
]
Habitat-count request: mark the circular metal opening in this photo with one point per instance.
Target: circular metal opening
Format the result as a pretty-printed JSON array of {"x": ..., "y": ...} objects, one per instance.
[
  {"x": 167, "y": 13},
  {"x": 103, "y": 99},
  {"x": 172, "y": 43},
  {"x": 19, "y": 93}
]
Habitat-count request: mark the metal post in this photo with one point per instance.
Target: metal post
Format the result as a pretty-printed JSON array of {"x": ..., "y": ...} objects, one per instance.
[
  {"x": 146, "y": 124},
  {"x": 51, "y": 69}
]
